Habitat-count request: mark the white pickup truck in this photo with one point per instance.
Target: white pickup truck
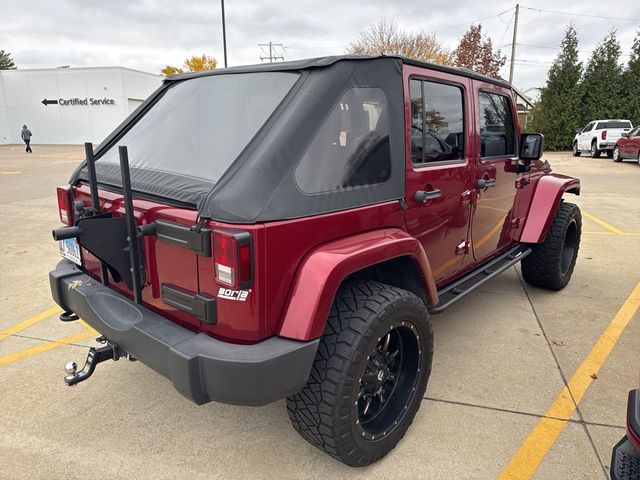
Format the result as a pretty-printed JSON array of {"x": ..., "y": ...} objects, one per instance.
[{"x": 600, "y": 136}]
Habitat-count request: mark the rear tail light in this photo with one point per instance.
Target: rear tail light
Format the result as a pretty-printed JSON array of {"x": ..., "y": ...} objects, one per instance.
[
  {"x": 233, "y": 258},
  {"x": 65, "y": 207},
  {"x": 603, "y": 135}
]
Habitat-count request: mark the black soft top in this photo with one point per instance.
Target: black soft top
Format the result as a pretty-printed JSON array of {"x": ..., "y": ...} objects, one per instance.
[
  {"x": 259, "y": 185},
  {"x": 321, "y": 62}
]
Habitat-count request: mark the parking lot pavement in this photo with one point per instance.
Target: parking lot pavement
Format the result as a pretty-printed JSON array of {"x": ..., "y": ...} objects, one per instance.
[{"x": 497, "y": 404}]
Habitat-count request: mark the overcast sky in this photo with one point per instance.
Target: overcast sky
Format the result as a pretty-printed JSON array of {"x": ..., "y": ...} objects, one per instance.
[{"x": 148, "y": 34}]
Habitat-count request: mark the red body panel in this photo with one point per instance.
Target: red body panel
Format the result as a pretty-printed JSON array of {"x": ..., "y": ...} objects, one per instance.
[
  {"x": 322, "y": 271},
  {"x": 545, "y": 199},
  {"x": 441, "y": 224},
  {"x": 492, "y": 215},
  {"x": 629, "y": 146}
]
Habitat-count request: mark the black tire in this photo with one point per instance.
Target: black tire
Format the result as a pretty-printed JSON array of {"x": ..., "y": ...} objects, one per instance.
[
  {"x": 638, "y": 157},
  {"x": 609, "y": 153},
  {"x": 551, "y": 263},
  {"x": 576, "y": 152},
  {"x": 595, "y": 153},
  {"x": 616, "y": 154},
  {"x": 331, "y": 411}
]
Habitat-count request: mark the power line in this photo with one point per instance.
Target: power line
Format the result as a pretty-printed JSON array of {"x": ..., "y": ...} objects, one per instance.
[
  {"x": 473, "y": 21},
  {"x": 556, "y": 12}
]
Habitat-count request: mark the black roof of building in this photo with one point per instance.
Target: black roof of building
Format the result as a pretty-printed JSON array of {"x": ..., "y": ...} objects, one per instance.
[{"x": 321, "y": 62}]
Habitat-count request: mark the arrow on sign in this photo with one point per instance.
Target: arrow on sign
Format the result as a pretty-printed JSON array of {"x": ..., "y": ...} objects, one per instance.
[{"x": 49, "y": 102}]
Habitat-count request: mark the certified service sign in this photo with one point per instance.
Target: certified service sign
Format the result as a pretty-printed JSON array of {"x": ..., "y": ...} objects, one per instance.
[{"x": 80, "y": 101}]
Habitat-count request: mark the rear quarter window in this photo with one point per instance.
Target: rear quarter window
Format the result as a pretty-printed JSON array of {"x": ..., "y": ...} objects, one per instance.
[{"x": 351, "y": 148}]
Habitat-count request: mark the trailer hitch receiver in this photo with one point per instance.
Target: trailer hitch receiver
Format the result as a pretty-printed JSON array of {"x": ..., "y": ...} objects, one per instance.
[{"x": 94, "y": 357}]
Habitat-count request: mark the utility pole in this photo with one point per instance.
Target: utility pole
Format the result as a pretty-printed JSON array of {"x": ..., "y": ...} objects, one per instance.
[
  {"x": 271, "y": 56},
  {"x": 513, "y": 43},
  {"x": 224, "y": 35}
]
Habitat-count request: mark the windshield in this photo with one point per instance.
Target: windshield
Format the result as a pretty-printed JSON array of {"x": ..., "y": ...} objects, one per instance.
[{"x": 199, "y": 126}]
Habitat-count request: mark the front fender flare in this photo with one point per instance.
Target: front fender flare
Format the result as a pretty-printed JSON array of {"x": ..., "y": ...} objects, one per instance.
[
  {"x": 544, "y": 204},
  {"x": 323, "y": 270}
]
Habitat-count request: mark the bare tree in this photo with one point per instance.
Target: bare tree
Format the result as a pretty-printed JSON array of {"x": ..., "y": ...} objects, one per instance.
[{"x": 385, "y": 38}]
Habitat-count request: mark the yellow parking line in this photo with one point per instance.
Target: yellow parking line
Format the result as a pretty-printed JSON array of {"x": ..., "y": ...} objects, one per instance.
[
  {"x": 29, "y": 322},
  {"x": 602, "y": 223},
  {"x": 89, "y": 328},
  {"x": 44, "y": 347},
  {"x": 528, "y": 457}
]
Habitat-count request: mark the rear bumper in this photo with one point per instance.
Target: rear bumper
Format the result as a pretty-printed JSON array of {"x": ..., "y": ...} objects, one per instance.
[
  {"x": 201, "y": 368},
  {"x": 625, "y": 459},
  {"x": 606, "y": 145}
]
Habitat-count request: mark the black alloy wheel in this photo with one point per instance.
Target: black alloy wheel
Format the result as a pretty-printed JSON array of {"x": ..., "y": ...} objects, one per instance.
[{"x": 389, "y": 382}]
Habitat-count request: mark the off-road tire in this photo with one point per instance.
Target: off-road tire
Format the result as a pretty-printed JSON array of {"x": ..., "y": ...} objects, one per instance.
[
  {"x": 616, "y": 154},
  {"x": 576, "y": 152},
  {"x": 326, "y": 411},
  {"x": 595, "y": 153},
  {"x": 551, "y": 263}
]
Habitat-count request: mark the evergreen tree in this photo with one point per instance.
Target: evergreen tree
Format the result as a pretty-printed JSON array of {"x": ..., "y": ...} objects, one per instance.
[
  {"x": 602, "y": 92},
  {"x": 557, "y": 113},
  {"x": 6, "y": 62},
  {"x": 632, "y": 84}
]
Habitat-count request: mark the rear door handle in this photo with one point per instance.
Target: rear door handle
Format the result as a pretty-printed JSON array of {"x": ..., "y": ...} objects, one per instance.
[
  {"x": 423, "y": 196},
  {"x": 486, "y": 183}
]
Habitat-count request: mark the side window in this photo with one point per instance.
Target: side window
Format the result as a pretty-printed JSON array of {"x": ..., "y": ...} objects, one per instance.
[
  {"x": 437, "y": 122},
  {"x": 352, "y": 146},
  {"x": 588, "y": 127},
  {"x": 636, "y": 132},
  {"x": 497, "y": 135}
]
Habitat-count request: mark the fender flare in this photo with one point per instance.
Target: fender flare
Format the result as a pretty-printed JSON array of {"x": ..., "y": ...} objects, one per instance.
[
  {"x": 323, "y": 270},
  {"x": 544, "y": 204}
]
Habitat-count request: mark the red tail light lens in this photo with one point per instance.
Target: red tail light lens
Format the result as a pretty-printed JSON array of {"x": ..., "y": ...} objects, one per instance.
[
  {"x": 603, "y": 135},
  {"x": 233, "y": 258},
  {"x": 65, "y": 209}
]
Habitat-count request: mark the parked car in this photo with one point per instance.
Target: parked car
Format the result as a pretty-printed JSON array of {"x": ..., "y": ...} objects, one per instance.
[
  {"x": 628, "y": 146},
  {"x": 599, "y": 136},
  {"x": 625, "y": 459},
  {"x": 280, "y": 231}
]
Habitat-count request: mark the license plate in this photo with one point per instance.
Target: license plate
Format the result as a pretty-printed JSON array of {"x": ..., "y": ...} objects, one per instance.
[{"x": 70, "y": 249}]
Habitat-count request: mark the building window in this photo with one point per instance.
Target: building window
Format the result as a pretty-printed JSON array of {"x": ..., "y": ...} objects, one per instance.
[
  {"x": 351, "y": 148},
  {"x": 437, "y": 122}
]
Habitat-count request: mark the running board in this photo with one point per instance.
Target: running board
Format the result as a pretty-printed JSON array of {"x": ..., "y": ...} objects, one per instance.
[{"x": 467, "y": 284}]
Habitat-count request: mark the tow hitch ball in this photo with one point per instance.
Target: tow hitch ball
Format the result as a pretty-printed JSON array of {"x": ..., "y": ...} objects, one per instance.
[{"x": 95, "y": 356}]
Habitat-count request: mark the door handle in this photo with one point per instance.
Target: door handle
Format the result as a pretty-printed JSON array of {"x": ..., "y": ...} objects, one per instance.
[
  {"x": 486, "y": 183},
  {"x": 424, "y": 197}
]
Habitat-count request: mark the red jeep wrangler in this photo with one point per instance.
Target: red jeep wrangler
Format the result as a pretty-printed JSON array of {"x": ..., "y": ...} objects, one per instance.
[{"x": 285, "y": 230}]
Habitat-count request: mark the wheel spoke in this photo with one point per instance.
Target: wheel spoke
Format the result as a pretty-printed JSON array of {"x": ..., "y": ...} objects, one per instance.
[
  {"x": 385, "y": 346},
  {"x": 366, "y": 406}
]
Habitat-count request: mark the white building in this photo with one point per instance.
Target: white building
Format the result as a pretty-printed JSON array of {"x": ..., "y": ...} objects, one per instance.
[{"x": 69, "y": 105}]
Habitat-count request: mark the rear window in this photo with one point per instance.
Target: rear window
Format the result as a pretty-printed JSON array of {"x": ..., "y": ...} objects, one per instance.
[
  {"x": 199, "y": 126},
  {"x": 605, "y": 125}
]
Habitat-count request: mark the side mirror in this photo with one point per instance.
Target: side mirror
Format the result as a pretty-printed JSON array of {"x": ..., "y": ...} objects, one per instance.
[
  {"x": 578, "y": 132},
  {"x": 624, "y": 134},
  {"x": 531, "y": 146}
]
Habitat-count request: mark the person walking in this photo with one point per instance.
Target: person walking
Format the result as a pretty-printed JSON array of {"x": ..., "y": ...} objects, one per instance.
[{"x": 26, "y": 137}]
